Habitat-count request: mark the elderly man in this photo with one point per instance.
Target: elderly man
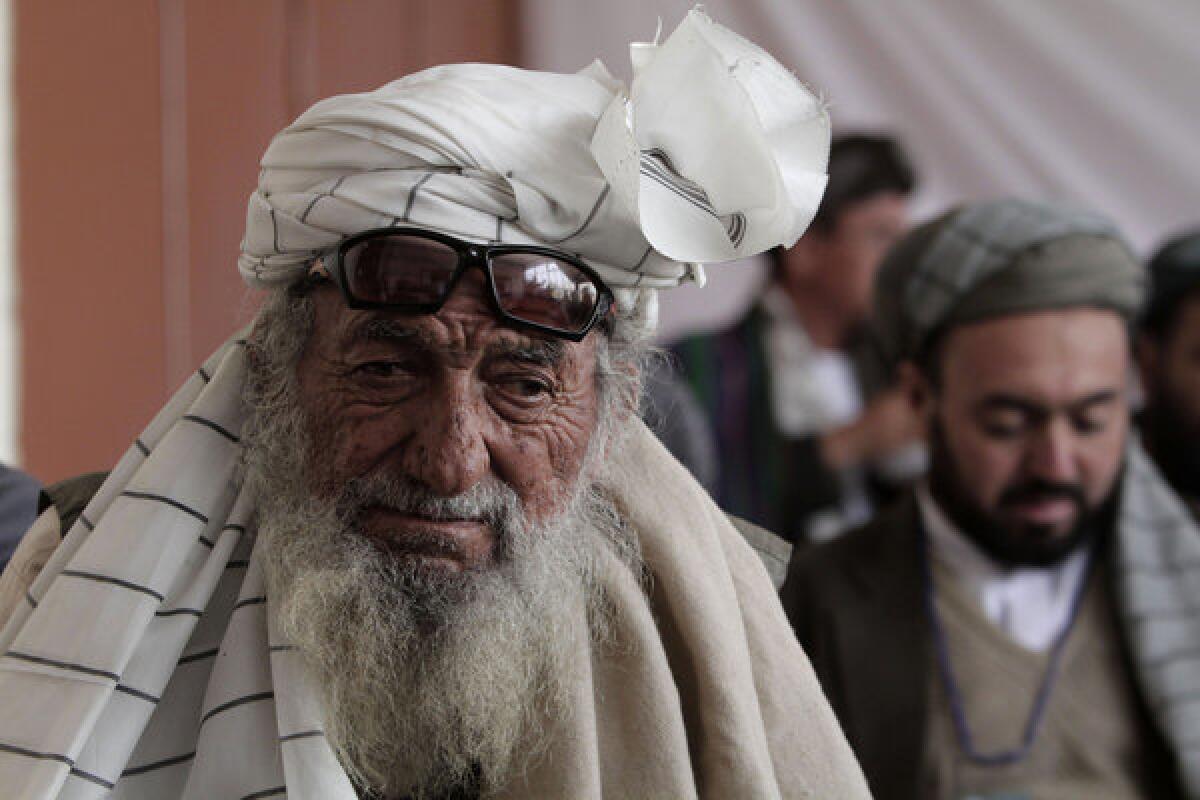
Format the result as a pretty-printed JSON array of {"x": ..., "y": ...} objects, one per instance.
[
  {"x": 1025, "y": 624},
  {"x": 1169, "y": 361},
  {"x": 407, "y": 538}
]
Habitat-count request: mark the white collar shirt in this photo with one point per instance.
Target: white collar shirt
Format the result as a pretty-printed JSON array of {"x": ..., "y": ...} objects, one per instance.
[{"x": 1032, "y": 605}]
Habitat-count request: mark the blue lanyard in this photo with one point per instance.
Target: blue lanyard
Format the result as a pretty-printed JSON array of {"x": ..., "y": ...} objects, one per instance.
[{"x": 957, "y": 710}]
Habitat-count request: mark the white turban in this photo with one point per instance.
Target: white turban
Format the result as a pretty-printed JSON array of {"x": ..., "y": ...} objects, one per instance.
[{"x": 715, "y": 153}]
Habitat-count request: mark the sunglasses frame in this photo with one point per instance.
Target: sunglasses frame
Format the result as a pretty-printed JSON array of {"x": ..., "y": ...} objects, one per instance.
[{"x": 470, "y": 255}]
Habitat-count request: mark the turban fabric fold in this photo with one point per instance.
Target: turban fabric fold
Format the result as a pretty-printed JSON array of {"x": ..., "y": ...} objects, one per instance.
[{"x": 715, "y": 153}]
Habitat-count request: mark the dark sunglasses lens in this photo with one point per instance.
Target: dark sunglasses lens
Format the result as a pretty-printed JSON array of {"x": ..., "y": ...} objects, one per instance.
[
  {"x": 542, "y": 289},
  {"x": 399, "y": 269}
]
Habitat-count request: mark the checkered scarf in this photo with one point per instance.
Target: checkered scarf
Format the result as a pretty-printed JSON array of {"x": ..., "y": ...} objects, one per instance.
[{"x": 1158, "y": 591}]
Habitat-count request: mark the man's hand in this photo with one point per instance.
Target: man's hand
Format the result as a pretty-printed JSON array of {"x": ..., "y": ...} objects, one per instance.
[{"x": 888, "y": 425}]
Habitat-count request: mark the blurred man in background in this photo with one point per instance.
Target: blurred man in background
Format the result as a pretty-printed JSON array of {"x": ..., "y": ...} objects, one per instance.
[
  {"x": 1169, "y": 359},
  {"x": 781, "y": 388},
  {"x": 1023, "y": 624}
]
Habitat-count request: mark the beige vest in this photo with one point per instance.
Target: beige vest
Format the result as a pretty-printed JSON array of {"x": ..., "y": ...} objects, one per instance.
[{"x": 1094, "y": 742}]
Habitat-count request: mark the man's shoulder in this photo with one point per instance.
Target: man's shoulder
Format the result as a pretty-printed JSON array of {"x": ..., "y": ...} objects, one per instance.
[
  {"x": 69, "y": 497},
  {"x": 37, "y": 544},
  {"x": 18, "y": 507},
  {"x": 774, "y": 551},
  {"x": 13, "y": 478},
  {"x": 860, "y": 555}
]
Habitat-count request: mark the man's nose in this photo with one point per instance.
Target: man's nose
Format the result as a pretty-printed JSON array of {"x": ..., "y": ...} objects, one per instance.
[
  {"x": 449, "y": 454},
  {"x": 1051, "y": 454}
]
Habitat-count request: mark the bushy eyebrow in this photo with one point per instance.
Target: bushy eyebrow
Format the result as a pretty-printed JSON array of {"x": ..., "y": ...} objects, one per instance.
[
  {"x": 1096, "y": 399},
  {"x": 376, "y": 329},
  {"x": 543, "y": 352}
]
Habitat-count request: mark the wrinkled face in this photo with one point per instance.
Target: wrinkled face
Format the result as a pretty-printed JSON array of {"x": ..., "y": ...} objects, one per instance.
[
  {"x": 1172, "y": 375},
  {"x": 445, "y": 401},
  {"x": 1028, "y": 427},
  {"x": 847, "y": 257}
]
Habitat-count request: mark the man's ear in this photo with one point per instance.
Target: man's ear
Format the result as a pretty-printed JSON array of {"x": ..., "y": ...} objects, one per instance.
[
  {"x": 916, "y": 387},
  {"x": 1148, "y": 353}
]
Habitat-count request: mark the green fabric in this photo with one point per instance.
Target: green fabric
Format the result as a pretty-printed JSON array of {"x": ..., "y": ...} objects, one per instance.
[{"x": 766, "y": 477}]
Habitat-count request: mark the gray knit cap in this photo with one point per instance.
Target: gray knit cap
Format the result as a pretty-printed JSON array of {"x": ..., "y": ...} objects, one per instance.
[{"x": 996, "y": 258}]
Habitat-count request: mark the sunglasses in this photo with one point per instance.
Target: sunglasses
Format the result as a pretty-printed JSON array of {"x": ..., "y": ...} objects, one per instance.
[{"x": 415, "y": 270}]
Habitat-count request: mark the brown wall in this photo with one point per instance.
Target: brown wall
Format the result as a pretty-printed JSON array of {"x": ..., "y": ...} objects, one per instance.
[{"x": 139, "y": 125}]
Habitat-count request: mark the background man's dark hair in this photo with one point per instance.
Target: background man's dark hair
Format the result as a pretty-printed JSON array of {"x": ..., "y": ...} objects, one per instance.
[
  {"x": 861, "y": 165},
  {"x": 1174, "y": 278}
]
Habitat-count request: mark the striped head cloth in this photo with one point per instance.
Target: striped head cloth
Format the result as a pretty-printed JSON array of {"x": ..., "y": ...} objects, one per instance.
[
  {"x": 996, "y": 258},
  {"x": 716, "y": 152}
]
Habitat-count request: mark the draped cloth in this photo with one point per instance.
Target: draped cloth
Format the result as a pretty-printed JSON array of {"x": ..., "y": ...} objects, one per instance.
[
  {"x": 143, "y": 662},
  {"x": 1158, "y": 592},
  {"x": 716, "y": 152}
]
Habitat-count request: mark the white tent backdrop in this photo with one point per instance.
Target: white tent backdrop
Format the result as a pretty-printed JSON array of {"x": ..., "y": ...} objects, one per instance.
[{"x": 1096, "y": 102}]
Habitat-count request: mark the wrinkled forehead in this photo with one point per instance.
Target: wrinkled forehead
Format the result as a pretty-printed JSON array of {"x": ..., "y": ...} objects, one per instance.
[{"x": 466, "y": 325}]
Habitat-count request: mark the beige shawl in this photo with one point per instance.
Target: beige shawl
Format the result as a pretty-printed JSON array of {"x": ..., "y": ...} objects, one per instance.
[{"x": 141, "y": 662}]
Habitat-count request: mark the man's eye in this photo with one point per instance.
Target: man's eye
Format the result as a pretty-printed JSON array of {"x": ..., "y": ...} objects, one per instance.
[
  {"x": 1089, "y": 425},
  {"x": 524, "y": 386},
  {"x": 528, "y": 387},
  {"x": 383, "y": 369},
  {"x": 1004, "y": 426},
  {"x": 1002, "y": 431}
]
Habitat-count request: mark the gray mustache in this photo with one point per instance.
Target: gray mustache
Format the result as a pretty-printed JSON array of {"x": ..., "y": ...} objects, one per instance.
[{"x": 491, "y": 500}]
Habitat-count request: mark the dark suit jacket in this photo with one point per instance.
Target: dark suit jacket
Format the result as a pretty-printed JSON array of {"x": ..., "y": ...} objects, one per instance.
[{"x": 857, "y": 607}]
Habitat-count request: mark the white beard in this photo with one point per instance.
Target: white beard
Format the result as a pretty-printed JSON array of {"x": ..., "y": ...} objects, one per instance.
[{"x": 433, "y": 680}]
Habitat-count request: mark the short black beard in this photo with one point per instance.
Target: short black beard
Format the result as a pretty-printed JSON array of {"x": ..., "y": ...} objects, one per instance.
[
  {"x": 1174, "y": 443},
  {"x": 1026, "y": 547}
]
